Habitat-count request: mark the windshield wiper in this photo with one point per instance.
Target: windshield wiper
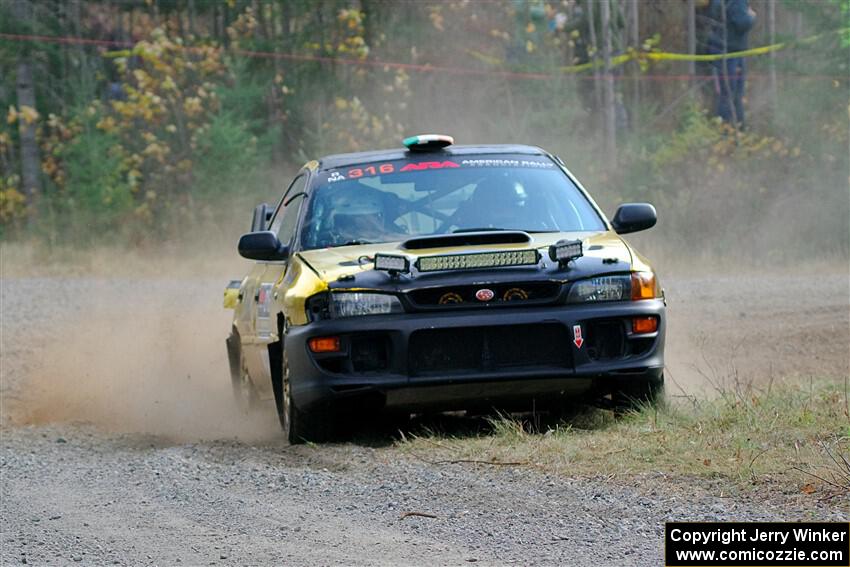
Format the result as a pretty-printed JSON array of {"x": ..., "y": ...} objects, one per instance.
[{"x": 355, "y": 243}]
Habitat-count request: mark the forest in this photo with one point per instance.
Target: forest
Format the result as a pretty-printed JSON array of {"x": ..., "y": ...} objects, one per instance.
[{"x": 142, "y": 121}]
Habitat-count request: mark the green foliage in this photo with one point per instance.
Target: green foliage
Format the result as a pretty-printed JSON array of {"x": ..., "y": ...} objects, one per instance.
[
  {"x": 96, "y": 182},
  {"x": 228, "y": 156}
]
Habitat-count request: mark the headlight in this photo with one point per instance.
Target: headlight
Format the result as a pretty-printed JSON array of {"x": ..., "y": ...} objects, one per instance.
[
  {"x": 637, "y": 285},
  {"x": 607, "y": 288},
  {"x": 355, "y": 304}
]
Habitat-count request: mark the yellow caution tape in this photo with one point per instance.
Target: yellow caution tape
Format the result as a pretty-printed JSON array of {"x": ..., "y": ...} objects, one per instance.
[
  {"x": 483, "y": 57},
  {"x": 634, "y": 55},
  {"x": 666, "y": 56}
]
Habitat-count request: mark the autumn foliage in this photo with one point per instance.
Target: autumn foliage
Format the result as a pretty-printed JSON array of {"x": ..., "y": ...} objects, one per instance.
[{"x": 179, "y": 115}]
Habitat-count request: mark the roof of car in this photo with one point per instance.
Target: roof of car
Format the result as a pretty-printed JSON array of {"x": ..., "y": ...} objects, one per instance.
[{"x": 342, "y": 160}]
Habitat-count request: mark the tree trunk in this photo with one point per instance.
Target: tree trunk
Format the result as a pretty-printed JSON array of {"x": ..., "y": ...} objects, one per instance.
[
  {"x": 610, "y": 104},
  {"x": 692, "y": 36},
  {"x": 771, "y": 30},
  {"x": 30, "y": 154},
  {"x": 260, "y": 11},
  {"x": 634, "y": 40},
  {"x": 594, "y": 46},
  {"x": 191, "y": 10}
]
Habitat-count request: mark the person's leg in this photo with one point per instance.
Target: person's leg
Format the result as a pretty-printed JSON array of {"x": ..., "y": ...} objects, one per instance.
[
  {"x": 723, "y": 103},
  {"x": 739, "y": 82}
]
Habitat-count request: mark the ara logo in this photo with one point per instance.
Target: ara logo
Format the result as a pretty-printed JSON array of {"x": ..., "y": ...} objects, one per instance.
[
  {"x": 422, "y": 165},
  {"x": 577, "y": 340},
  {"x": 484, "y": 294}
]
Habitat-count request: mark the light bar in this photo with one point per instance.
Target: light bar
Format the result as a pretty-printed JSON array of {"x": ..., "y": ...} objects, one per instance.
[
  {"x": 392, "y": 264},
  {"x": 565, "y": 250},
  {"x": 478, "y": 260},
  {"x": 425, "y": 142}
]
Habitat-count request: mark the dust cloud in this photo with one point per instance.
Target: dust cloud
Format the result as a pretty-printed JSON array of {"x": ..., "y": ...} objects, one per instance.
[{"x": 133, "y": 356}]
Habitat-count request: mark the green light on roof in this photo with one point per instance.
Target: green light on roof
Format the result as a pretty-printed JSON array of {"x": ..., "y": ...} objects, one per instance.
[{"x": 425, "y": 142}]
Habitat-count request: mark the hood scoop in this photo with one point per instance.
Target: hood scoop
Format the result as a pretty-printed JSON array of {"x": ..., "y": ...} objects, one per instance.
[{"x": 467, "y": 239}]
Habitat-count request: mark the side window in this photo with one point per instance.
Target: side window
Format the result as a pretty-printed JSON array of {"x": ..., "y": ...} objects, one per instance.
[
  {"x": 288, "y": 218},
  {"x": 284, "y": 219}
]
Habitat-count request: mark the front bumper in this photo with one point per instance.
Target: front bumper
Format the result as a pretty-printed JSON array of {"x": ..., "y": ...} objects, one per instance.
[{"x": 403, "y": 380}]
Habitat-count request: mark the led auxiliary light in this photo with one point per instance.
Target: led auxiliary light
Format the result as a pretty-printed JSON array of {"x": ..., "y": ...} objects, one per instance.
[
  {"x": 565, "y": 250},
  {"x": 392, "y": 264},
  {"x": 479, "y": 260}
]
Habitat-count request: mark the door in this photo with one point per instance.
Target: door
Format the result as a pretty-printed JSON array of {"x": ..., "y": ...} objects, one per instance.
[{"x": 264, "y": 279}]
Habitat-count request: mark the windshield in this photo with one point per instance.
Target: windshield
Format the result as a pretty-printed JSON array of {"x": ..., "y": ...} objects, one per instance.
[{"x": 396, "y": 200}]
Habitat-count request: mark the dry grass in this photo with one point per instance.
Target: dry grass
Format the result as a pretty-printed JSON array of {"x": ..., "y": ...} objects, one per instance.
[{"x": 789, "y": 436}]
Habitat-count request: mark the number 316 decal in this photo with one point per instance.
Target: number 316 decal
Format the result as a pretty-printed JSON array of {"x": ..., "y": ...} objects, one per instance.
[{"x": 370, "y": 170}]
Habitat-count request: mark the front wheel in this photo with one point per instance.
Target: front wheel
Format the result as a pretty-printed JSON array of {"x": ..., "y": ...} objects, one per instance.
[
  {"x": 299, "y": 426},
  {"x": 639, "y": 391}
]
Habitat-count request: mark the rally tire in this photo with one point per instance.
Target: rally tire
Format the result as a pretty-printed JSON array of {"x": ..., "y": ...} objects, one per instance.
[
  {"x": 635, "y": 393},
  {"x": 299, "y": 426},
  {"x": 244, "y": 393}
]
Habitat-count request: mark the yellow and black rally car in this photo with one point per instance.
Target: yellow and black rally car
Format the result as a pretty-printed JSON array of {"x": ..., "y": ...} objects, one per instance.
[{"x": 441, "y": 277}]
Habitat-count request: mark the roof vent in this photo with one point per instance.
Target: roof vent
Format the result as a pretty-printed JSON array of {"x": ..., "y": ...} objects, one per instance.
[{"x": 428, "y": 142}]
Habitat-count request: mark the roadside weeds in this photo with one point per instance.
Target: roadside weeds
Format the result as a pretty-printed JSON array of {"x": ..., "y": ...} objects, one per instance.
[{"x": 786, "y": 438}]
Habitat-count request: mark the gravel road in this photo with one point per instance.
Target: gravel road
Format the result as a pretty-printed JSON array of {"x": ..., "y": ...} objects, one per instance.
[{"x": 120, "y": 444}]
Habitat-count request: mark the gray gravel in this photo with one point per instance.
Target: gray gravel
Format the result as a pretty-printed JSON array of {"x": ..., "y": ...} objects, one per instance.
[
  {"x": 131, "y": 500},
  {"x": 183, "y": 486}
]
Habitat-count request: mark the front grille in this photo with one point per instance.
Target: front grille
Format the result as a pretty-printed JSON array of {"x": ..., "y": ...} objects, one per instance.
[
  {"x": 488, "y": 349},
  {"x": 463, "y": 296}
]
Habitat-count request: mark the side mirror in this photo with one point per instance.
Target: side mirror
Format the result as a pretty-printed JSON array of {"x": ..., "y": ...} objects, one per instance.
[
  {"x": 633, "y": 217},
  {"x": 262, "y": 215},
  {"x": 263, "y": 246}
]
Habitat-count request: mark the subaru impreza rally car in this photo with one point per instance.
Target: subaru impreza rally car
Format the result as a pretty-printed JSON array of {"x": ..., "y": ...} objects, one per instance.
[{"x": 439, "y": 277}]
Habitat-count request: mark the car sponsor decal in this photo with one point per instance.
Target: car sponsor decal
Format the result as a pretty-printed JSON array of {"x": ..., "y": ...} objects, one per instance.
[
  {"x": 397, "y": 166},
  {"x": 264, "y": 299},
  {"x": 492, "y": 162},
  {"x": 429, "y": 165},
  {"x": 577, "y": 339}
]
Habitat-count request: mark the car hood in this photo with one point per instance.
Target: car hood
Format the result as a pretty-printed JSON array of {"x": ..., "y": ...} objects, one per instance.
[{"x": 350, "y": 266}]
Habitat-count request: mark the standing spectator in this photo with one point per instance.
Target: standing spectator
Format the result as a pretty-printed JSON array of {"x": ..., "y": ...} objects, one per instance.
[{"x": 731, "y": 22}]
